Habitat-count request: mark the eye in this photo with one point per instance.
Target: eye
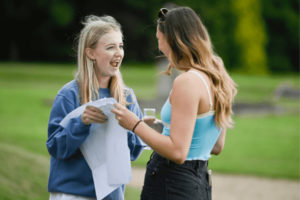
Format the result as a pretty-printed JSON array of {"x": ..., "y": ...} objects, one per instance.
[
  {"x": 121, "y": 46},
  {"x": 110, "y": 47}
]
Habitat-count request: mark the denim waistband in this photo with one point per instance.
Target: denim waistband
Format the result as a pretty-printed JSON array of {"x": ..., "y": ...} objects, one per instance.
[{"x": 193, "y": 163}]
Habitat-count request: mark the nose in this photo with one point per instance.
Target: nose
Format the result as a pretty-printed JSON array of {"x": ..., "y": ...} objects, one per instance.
[{"x": 119, "y": 52}]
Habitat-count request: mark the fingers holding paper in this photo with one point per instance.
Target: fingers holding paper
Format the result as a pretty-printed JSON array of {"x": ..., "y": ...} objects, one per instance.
[
  {"x": 126, "y": 118},
  {"x": 92, "y": 114}
]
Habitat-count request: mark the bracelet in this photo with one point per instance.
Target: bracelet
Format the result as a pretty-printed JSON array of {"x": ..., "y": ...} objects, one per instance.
[{"x": 136, "y": 125}]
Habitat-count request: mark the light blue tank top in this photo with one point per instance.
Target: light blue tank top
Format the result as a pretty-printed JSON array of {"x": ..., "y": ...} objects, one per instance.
[{"x": 205, "y": 132}]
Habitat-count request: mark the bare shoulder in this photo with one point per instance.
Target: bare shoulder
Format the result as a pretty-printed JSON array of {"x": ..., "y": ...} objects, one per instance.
[
  {"x": 188, "y": 80},
  {"x": 185, "y": 84},
  {"x": 184, "y": 79}
]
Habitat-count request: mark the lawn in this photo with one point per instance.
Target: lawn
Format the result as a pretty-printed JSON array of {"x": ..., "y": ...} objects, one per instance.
[{"x": 263, "y": 145}]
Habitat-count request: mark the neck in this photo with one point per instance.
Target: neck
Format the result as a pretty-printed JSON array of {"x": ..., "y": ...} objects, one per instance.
[{"x": 104, "y": 82}]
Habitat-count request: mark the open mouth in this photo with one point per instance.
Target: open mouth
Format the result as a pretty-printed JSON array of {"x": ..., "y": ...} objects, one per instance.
[{"x": 115, "y": 63}]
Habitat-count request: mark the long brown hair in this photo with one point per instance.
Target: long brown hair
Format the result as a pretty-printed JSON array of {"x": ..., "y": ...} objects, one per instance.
[
  {"x": 94, "y": 28},
  {"x": 191, "y": 48}
]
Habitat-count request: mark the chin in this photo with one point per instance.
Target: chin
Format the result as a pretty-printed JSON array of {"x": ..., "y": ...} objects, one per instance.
[{"x": 114, "y": 72}]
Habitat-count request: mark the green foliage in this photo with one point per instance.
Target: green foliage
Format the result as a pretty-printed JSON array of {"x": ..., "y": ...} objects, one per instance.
[
  {"x": 251, "y": 36},
  {"x": 220, "y": 22},
  {"x": 62, "y": 12},
  {"x": 282, "y": 23}
]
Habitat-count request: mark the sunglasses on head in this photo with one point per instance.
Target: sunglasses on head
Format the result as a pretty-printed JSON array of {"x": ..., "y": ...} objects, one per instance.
[{"x": 162, "y": 13}]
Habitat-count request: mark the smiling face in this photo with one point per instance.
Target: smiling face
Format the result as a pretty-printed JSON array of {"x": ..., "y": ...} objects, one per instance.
[
  {"x": 108, "y": 54},
  {"x": 162, "y": 42}
]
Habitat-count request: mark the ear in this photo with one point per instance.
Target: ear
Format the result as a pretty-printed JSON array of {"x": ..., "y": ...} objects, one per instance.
[{"x": 90, "y": 53}]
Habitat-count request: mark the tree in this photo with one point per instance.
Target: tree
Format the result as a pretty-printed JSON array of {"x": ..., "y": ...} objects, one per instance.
[
  {"x": 282, "y": 26},
  {"x": 251, "y": 36}
]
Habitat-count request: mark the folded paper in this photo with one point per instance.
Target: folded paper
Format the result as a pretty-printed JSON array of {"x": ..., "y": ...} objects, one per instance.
[{"x": 105, "y": 149}]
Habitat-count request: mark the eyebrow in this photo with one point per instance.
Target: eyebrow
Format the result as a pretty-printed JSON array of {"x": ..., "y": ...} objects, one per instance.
[{"x": 113, "y": 44}]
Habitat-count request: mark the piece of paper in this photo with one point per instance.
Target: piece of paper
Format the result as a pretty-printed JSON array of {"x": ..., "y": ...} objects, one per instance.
[{"x": 105, "y": 149}]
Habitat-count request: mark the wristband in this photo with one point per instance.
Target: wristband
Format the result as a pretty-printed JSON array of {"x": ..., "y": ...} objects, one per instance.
[{"x": 136, "y": 125}]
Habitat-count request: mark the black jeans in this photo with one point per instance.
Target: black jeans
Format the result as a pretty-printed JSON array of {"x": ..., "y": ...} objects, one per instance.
[{"x": 166, "y": 180}]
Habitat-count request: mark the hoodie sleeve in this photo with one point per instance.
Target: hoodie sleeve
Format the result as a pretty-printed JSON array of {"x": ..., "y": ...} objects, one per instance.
[
  {"x": 62, "y": 142},
  {"x": 135, "y": 144}
]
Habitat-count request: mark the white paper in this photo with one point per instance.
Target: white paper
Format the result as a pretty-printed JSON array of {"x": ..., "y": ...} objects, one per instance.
[{"x": 105, "y": 149}]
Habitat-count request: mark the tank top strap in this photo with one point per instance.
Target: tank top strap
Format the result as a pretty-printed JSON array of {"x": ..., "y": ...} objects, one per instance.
[{"x": 206, "y": 86}]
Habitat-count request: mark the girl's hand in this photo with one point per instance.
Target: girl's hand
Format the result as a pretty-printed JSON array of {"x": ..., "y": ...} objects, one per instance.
[
  {"x": 93, "y": 114},
  {"x": 126, "y": 118}
]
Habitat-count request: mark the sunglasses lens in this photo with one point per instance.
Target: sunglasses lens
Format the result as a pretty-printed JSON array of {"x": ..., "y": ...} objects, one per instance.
[{"x": 162, "y": 13}]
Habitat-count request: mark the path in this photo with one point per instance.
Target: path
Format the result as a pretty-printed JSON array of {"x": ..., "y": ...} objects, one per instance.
[{"x": 240, "y": 187}]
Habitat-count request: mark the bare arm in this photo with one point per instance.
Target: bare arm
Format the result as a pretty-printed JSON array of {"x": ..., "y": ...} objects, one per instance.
[
  {"x": 184, "y": 112},
  {"x": 219, "y": 144}
]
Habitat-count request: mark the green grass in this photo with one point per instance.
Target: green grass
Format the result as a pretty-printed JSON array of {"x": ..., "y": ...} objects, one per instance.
[
  {"x": 27, "y": 91},
  {"x": 253, "y": 88},
  {"x": 23, "y": 174},
  {"x": 142, "y": 79},
  {"x": 262, "y": 145},
  {"x": 26, "y": 95},
  {"x": 132, "y": 193}
]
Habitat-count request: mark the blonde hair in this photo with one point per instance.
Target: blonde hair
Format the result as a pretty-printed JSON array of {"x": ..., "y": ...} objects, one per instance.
[
  {"x": 191, "y": 48},
  {"x": 94, "y": 28}
]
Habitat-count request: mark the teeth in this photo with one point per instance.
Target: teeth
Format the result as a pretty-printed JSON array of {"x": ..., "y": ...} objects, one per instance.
[{"x": 115, "y": 64}]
